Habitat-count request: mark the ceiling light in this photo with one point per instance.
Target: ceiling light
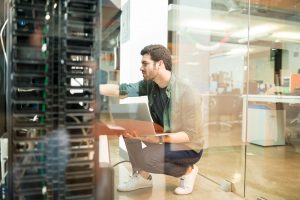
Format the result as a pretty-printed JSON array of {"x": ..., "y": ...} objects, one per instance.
[
  {"x": 207, "y": 47},
  {"x": 237, "y": 51},
  {"x": 255, "y": 31},
  {"x": 206, "y": 25},
  {"x": 192, "y": 63},
  {"x": 287, "y": 35}
]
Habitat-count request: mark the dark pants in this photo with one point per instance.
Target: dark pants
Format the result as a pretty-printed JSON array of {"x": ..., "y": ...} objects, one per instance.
[{"x": 161, "y": 158}]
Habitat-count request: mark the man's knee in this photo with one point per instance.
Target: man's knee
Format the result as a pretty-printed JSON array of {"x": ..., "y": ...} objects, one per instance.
[{"x": 151, "y": 159}]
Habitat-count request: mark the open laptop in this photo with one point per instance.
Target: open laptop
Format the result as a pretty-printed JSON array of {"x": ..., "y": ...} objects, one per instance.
[
  {"x": 133, "y": 117},
  {"x": 136, "y": 111}
]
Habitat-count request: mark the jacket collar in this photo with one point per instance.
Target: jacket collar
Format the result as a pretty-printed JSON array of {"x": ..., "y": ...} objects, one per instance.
[{"x": 170, "y": 84}]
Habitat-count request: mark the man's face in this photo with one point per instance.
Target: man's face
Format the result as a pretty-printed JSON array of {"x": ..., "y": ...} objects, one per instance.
[{"x": 149, "y": 68}]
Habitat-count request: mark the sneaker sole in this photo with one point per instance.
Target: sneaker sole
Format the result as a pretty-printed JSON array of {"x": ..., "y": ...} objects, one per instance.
[{"x": 134, "y": 189}]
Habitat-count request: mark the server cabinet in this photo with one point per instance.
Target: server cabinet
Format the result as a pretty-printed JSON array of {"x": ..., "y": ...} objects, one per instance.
[{"x": 51, "y": 49}]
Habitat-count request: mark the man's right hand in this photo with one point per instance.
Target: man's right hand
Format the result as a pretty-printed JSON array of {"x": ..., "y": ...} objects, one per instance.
[{"x": 111, "y": 90}]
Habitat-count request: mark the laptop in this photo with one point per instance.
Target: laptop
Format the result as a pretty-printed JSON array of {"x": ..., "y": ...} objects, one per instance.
[
  {"x": 133, "y": 117},
  {"x": 135, "y": 111}
]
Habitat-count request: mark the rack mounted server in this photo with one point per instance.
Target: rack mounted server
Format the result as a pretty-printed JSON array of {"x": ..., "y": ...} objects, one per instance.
[{"x": 51, "y": 49}]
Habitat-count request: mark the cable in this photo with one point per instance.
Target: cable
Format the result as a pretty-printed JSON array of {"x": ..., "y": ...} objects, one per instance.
[
  {"x": 5, "y": 56},
  {"x": 120, "y": 162},
  {"x": 2, "y": 44},
  {"x": 78, "y": 121}
]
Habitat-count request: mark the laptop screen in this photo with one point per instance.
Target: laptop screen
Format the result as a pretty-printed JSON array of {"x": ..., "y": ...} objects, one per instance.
[
  {"x": 134, "y": 117},
  {"x": 136, "y": 111}
]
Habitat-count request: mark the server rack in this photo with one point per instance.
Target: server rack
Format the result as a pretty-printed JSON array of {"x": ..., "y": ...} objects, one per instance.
[{"x": 51, "y": 96}]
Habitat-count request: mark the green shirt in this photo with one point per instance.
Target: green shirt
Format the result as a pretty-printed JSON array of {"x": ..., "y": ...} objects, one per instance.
[{"x": 182, "y": 112}]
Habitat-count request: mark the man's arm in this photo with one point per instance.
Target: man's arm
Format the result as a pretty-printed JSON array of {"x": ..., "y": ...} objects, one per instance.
[
  {"x": 178, "y": 137},
  {"x": 111, "y": 90}
]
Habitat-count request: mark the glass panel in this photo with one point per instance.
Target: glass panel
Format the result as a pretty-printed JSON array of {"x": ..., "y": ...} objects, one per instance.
[
  {"x": 273, "y": 101},
  {"x": 209, "y": 44}
]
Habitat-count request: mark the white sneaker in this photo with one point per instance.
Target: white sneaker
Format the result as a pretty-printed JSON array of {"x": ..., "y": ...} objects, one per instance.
[
  {"x": 135, "y": 182},
  {"x": 187, "y": 181}
]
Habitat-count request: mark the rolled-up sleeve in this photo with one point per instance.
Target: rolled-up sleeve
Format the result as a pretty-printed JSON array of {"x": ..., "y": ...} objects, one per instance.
[{"x": 134, "y": 89}]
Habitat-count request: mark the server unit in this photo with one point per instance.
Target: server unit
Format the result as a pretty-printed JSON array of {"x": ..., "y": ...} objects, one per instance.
[{"x": 51, "y": 97}]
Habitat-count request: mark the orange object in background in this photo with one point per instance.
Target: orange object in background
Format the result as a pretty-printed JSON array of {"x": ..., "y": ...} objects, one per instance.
[
  {"x": 275, "y": 4},
  {"x": 102, "y": 129},
  {"x": 140, "y": 127},
  {"x": 294, "y": 82}
]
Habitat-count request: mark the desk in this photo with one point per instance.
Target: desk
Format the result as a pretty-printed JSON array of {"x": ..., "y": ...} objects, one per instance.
[
  {"x": 279, "y": 114},
  {"x": 271, "y": 98}
]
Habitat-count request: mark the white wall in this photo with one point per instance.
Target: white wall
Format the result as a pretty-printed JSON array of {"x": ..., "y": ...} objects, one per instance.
[
  {"x": 147, "y": 25},
  {"x": 143, "y": 22},
  {"x": 291, "y": 58}
]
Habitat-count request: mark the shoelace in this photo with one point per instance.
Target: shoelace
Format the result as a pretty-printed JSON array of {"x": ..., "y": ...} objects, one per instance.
[
  {"x": 133, "y": 176},
  {"x": 181, "y": 183}
]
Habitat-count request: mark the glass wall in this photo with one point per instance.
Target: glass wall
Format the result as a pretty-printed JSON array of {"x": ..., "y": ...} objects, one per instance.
[
  {"x": 209, "y": 43},
  {"x": 243, "y": 56},
  {"x": 272, "y": 119}
]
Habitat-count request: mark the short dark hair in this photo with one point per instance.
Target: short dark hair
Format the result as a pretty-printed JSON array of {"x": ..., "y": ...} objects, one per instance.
[{"x": 158, "y": 52}]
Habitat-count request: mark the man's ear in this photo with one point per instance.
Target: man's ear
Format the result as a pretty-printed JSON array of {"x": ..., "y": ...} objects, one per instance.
[{"x": 160, "y": 63}]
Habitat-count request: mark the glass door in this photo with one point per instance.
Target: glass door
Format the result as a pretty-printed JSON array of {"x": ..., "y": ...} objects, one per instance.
[
  {"x": 209, "y": 43},
  {"x": 273, "y": 109}
]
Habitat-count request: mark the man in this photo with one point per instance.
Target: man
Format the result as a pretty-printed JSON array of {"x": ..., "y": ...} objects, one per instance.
[{"x": 174, "y": 105}]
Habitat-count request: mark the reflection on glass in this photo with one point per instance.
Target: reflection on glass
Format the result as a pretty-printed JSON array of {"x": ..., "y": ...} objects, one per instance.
[
  {"x": 273, "y": 102},
  {"x": 211, "y": 51}
]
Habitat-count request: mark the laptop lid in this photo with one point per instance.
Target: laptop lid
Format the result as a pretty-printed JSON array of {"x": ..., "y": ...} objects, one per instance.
[
  {"x": 133, "y": 117},
  {"x": 135, "y": 111}
]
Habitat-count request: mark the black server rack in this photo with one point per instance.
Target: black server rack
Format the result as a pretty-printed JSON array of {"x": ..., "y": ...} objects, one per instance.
[{"x": 51, "y": 98}]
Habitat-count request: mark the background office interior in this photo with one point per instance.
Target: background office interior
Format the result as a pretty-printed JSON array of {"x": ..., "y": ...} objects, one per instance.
[{"x": 235, "y": 52}]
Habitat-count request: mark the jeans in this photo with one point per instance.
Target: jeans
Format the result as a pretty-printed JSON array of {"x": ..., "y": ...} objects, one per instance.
[{"x": 161, "y": 158}]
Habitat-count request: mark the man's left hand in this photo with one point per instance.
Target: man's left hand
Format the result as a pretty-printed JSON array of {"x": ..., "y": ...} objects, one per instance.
[{"x": 150, "y": 139}]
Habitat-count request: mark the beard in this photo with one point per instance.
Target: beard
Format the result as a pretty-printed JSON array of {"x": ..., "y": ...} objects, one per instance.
[{"x": 150, "y": 77}]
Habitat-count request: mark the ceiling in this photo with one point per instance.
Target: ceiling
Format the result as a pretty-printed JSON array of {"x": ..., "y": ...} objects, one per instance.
[{"x": 226, "y": 24}]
